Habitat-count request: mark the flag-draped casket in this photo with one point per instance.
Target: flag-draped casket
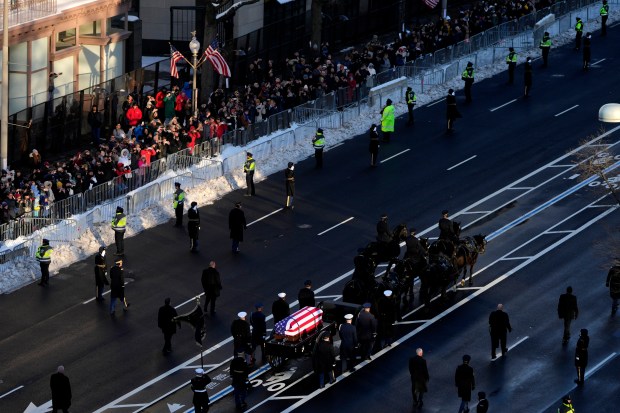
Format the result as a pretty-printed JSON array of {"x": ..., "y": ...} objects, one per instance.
[{"x": 299, "y": 324}]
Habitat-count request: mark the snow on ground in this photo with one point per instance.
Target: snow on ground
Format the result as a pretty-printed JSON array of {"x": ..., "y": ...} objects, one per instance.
[{"x": 24, "y": 270}]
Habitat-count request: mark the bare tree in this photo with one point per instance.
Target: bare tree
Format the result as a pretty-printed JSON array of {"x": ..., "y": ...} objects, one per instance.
[{"x": 317, "y": 21}]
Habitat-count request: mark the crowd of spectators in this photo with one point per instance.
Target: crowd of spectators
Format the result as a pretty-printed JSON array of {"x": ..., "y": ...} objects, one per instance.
[{"x": 151, "y": 126}]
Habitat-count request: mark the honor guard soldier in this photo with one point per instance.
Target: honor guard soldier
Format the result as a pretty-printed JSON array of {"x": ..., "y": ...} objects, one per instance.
[
  {"x": 199, "y": 387},
  {"x": 178, "y": 201},
  {"x": 117, "y": 287},
  {"x": 242, "y": 336},
  {"x": 578, "y": 33},
  {"x": 411, "y": 98},
  {"x": 101, "y": 272},
  {"x": 587, "y": 51},
  {"x": 527, "y": 76},
  {"x": 318, "y": 143},
  {"x": 119, "y": 222},
  {"x": 468, "y": 77},
  {"x": 193, "y": 226},
  {"x": 373, "y": 146},
  {"x": 366, "y": 331},
  {"x": 44, "y": 256},
  {"x": 545, "y": 46},
  {"x": 259, "y": 331},
  {"x": 280, "y": 308},
  {"x": 239, "y": 372},
  {"x": 348, "y": 343},
  {"x": 452, "y": 113},
  {"x": 289, "y": 175},
  {"x": 604, "y": 12},
  {"x": 581, "y": 356},
  {"x": 306, "y": 295},
  {"x": 249, "y": 167},
  {"x": 387, "y": 120},
  {"x": 511, "y": 61}
]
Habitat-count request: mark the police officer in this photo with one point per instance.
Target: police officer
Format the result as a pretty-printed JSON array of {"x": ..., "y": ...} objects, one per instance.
[
  {"x": 373, "y": 146},
  {"x": 567, "y": 311},
  {"x": 411, "y": 98},
  {"x": 452, "y": 113},
  {"x": 468, "y": 77},
  {"x": 499, "y": 326},
  {"x": 119, "y": 222},
  {"x": 604, "y": 12},
  {"x": 249, "y": 167},
  {"x": 193, "y": 226},
  {"x": 511, "y": 61},
  {"x": 586, "y": 51},
  {"x": 578, "y": 33},
  {"x": 306, "y": 295},
  {"x": 318, "y": 143},
  {"x": 259, "y": 330},
  {"x": 527, "y": 76},
  {"x": 289, "y": 175},
  {"x": 446, "y": 227},
  {"x": 199, "y": 387},
  {"x": 366, "y": 331},
  {"x": 348, "y": 343},
  {"x": 581, "y": 356},
  {"x": 613, "y": 283},
  {"x": 178, "y": 200},
  {"x": 483, "y": 403},
  {"x": 387, "y": 120},
  {"x": 242, "y": 337},
  {"x": 545, "y": 46},
  {"x": 44, "y": 256},
  {"x": 117, "y": 287},
  {"x": 101, "y": 272},
  {"x": 239, "y": 372},
  {"x": 280, "y": 308},
  {"x": 567, "y": 405}
]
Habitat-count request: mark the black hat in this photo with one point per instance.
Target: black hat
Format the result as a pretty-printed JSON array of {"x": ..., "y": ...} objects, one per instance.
[
  {"x": 444, "y": 212},
  {"x": 408, "y": 87},
  {"x": 450, "y": 91},
  {"x": 177, "y": 184},
  {"x": 118, "y": 261},
  {"x": 546, "y": 34},
  {"x": 308, "y": 282},
  {"x": 319, "y": 130},
  {"x": 566, "y": 398},
  {"x": 290, "y": 164},
  {"x": 482, "y": 395},
  {"x": 466, "y": 358},
  {"x": 101, "y": 249},
  {"x": 249, "y": 154},
  {"x": 46, "y": 241},
  {"x": 388, "y": 102},
  {"x": 384, "y": 216},
  {"x": 119, "y": 209},
  {"x": 237, "y": 204},
  {"x": 469, "y": 64},
  {"x": 584, "y": 331},
  {"x": 511, "y": 49},
  {"x": 193, "y": 204}
]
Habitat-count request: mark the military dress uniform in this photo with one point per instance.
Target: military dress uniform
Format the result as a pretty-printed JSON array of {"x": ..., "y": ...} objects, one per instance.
[
  {"x": 199, "y": 387},
  {"x": 101, "y": 272},
  {"x": 373, "y": 146},
  {"x": 44, "y": 256},
  {"x": 193, "y": 226},
  {"x": 178, "y": 201},
  {"x": 289, "y": 175},
  {"x": 348, "y": 343}
]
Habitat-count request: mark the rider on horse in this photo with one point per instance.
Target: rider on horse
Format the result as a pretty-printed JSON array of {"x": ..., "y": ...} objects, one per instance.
[
  {"x": 384, "y": 235},
  {"x": 415, "y": 252},
  {"x": 446, "y": 228}
]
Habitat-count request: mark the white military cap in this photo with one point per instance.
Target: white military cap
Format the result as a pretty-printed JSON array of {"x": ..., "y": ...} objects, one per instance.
[
  {"x": 348, "y": 317},
  {"x": 199, "y": 371},
  {"x": 282, "y": 295},
  {"x": 242, "y": 314},
  {"x": 387, "y": 293}
]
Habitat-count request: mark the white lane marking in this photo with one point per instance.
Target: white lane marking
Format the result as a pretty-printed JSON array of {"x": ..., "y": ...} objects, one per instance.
[
  {"x": 459, "y": 304},
  {"x": 559, "y": 232},
  {"x": 328, "y": 296},
  {"x": 335, "y": 226},
  {"x": 505, "y": 104},
  {"x": 476, "y": 212},
  {"x": 516, "y": 258},
  {"x": 439, "y": 101},
  {"x": 120, "y": 406},
  {"x": 266, "y": 216},
  {"x": 521, "y": 188},
  {"x": 288, "y": 398},
  {"x": 105, "y": 293},
  {"x": 410, "y": 322},
  {"x": 394, "y": 156},
  {"x": 14, "y": 390},
  {"x": 334, "y": 146},
  {"x": 564, "y": 111},
  {"x": 189, "y": 301},
  {"x": 562, "y": 166},
  {"x": 469, "y": 288},
  {"x": 595, "y": 63},
  {"x": 573, "y": 176},
  {"x": 461, "y": 163},
  {"x": 511, "y": 347}
]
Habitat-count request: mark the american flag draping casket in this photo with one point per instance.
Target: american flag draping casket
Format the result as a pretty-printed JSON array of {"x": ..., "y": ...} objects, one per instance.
[{"x": 303, "y": 321}]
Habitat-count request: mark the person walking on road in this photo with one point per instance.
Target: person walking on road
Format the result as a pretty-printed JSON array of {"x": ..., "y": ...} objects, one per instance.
[
  {"x": 578, "y": 32},
  {"x": 465, "y": 383},
  {"x": 587, "y": 51},
  {"x": 211, "y": 285},
  {"x": 242, "y": 336},
  {"x": 387, "y": 317},
  {"x": 239, "y": 372},
  {"x": 411, "y": 99},
  {"x": 468, "y": 77},
  {"x": 452, "y": 113},
  {"x": 545, "y": 47},
  {"x": 289, "y": 176},
  {"x": 61, "y": 391},
  {"x": 348, "y": 343},
  {"x": 511, "y": 61},
  {"x": 101, "y": 272},
  {"x": 306, "y": 295},
  {"x": 419, "y": 377},
  {"x": 567, "y": 405},
  {"x": 280, "y": 308},
  {"x": 199, "y": 388},
  {"x": 119, "y": 222},
  {"x": 567, "y": 311},
  {"x": 236, "y": 225},
  {"x": 527, "y": 76},
  {"x": 373, "y": 146},
  {"x": 117, "y": 287},
  {"x": 613, "y": 283},
  {"x": 387, "y": 120},
  {"x": 318, "y": 143},
  {"x": 366, "y": 331},
  {"x": 193, "y": 226},
  {"x": 167, "y": 324},
  {"x": 249, "y": 167},
  {"x": 483, "y": 403},
  {"x": 323, "y": 360},
  {"x": 581, "y": 356},
  {"x": 499, "y": 326},
  {"x": 44, "y": 256},
  {"x": 178, "y": 201},
  {"x": 259, "y": 331},
  {"x": 604, "y": 13}
]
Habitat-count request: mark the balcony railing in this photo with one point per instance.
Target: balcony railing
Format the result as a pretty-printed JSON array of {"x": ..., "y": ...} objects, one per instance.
[{"x": 24, "y": 11}]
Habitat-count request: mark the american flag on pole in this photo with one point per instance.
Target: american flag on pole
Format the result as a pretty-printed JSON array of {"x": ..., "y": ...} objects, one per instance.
[
  {"x": 431, "y": 4},
  {"x": 217, "y": 60},
  {"x": 175, "y": 56}
]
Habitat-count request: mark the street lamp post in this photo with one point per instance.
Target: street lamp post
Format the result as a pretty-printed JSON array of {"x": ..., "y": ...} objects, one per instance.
[{"x": 194, "y": 46}]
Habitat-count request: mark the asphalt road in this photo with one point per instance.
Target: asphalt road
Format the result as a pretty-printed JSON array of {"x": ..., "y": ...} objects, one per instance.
[{"x": 107, "y": 359}]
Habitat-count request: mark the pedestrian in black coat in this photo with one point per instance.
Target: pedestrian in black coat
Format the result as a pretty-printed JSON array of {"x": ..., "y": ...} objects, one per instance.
[
  {"x": 323, "y": 360},
  {"x": 373, "y": 146},
  {"x": 61, "y": 391},
  {"x": 419, "y": 377},
  {"x": 193, "y": 226},
  {"x": 613, "y": 283},
  {"x": 212, "y": 285},
  {"x": 236, "y": 225},
  {"x": 306, "y": 295},
  {"x": 465, "y": 382},
  {"x": 348, "y": 343},
  {"x": 101, "y": 272},
  {"x": 581, "y": 356},
  {"x": 289, "y": 175},
  {"x": 280, "y": 308},
  {"x": 366, "y": 331},
  {"x": 452, "y": 113},
  {"x": 117, "y": 287},
  {"x": 567, "y": 311},
  {"x": 167, "y": 324},
  {"x": 483, "y": 403},
  {"x": 499, "y": 326}
]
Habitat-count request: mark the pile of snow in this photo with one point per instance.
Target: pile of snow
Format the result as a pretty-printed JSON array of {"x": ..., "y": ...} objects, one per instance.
[{"x": 24, "y": 270}]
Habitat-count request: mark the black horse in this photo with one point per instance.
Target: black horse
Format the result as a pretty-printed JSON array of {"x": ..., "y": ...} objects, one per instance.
[
  {"x": 467, "y": 253},
  {"x": 386, "y": 251},
  {"x": 359, "y": 289},
  {"x": 440, "y": 272}
]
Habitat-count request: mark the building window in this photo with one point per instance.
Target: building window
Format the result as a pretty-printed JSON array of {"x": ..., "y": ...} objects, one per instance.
[
  {"x": 91, "y": 29},
  {"x": 65, "y": 39}
]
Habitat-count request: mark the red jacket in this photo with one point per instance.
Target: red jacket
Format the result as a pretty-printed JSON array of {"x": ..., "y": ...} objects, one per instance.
[
  {"x": 159, "y": 100},
  {"x": 134, "y": 115}
]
